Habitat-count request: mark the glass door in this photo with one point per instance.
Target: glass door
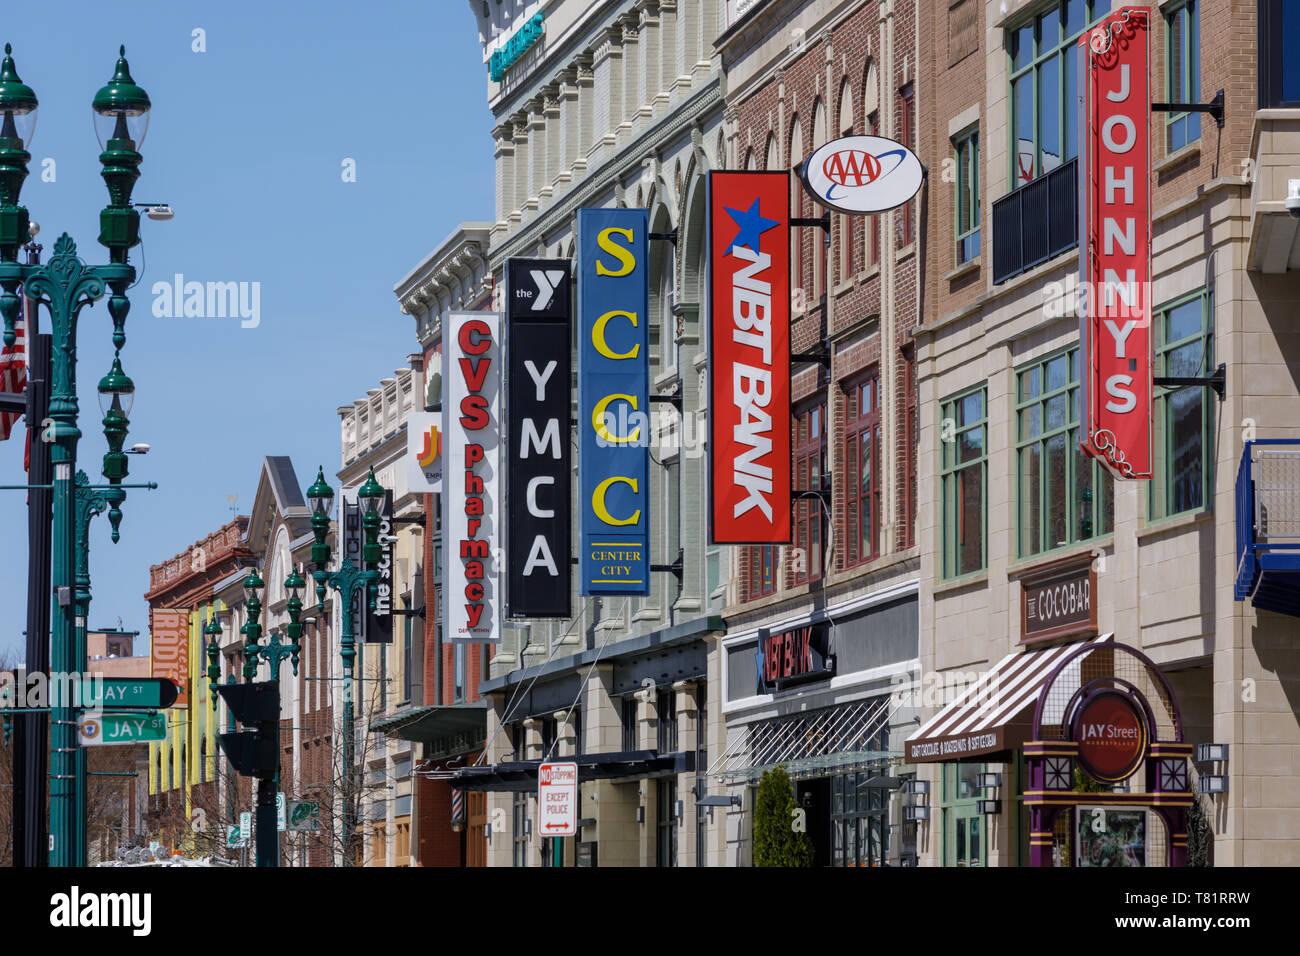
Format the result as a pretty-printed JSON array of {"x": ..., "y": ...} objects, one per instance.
[
  {"x": 859, "y": 821},
  {"x": 964, "y": 839}
]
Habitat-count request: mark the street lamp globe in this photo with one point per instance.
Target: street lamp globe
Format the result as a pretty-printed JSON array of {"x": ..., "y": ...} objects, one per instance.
[
  {"x": 17, "y": 103},
  {"x": 121, "y": 109},
  {"x": 252, "y": 584},
  {"x": 116, "y": 390},
  {"x": 321, "y": 495},
  {"x": 294, "y": 583},
  {"x": 371, "y": 494}
]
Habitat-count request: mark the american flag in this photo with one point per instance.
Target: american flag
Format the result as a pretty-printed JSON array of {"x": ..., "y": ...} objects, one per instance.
[{"x": 13, "y": 369}]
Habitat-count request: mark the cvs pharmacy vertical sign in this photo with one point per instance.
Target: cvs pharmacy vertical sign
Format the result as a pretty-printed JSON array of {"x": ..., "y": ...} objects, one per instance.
[
  {"x": 749, "y": 357},
  {"x": 613, "y": 401},
  {"x": 471, "y": 494},
  {"x": 1115, "y": 244}
]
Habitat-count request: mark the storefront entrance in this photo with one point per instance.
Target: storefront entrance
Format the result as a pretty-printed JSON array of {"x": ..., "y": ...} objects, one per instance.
[
  {"x": 847, "y": 819},
  {"x": 964, "y": 834}
]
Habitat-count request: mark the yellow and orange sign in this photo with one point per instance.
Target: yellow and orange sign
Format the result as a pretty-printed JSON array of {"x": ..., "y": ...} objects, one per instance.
[{"x": 169, "y": 649}]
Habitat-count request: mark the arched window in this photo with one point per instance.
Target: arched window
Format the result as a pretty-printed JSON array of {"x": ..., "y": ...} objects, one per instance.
[
  {"x": 817, "y": 236},
  {"x": 749, "y": 159},
  {"x": 773, "y": 161},
  {"x": 847, "y": 224},
  {"x": 667, "y": 321},
  {"x": 794, "y": 156},
  {"x": 846, "y": 107},
  {"x": 871, "y": 126}
]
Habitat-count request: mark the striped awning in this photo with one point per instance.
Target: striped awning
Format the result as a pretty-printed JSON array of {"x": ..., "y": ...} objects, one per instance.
[{"x": 992, "y": 714}]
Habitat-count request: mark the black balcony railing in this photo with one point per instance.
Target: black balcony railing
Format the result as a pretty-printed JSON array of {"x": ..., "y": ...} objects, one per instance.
[{"x": 1035, "y": 222}]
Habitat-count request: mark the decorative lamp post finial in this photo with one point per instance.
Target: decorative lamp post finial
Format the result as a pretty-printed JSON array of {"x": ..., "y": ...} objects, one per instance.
[
  {"x": 121, "y": 120},
  {"x": 18, "y": 105}
]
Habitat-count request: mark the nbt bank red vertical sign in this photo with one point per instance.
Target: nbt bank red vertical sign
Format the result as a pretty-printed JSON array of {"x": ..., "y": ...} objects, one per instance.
[
  {"x": 1115, "y": 244},
  {"x": 749, "y": 357}
]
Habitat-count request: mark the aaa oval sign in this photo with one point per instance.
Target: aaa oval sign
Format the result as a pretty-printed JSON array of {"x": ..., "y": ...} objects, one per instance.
[
  {"x": 862, "y": 174},
  {"x": 1112, "y": 736}
]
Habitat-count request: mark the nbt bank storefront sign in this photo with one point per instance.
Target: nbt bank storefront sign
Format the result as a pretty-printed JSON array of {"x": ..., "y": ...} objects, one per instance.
[{"x": 613, "y": 400}]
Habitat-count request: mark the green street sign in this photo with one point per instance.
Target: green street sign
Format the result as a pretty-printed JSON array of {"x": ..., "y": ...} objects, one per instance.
[
  {"x": 304, "y": 816},
  {"x": 112, "y": 693},
  {"x": 108, "y": 729}
]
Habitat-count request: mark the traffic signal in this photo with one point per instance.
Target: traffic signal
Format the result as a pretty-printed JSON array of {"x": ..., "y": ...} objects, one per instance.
[{"x": 256, "y": 752}]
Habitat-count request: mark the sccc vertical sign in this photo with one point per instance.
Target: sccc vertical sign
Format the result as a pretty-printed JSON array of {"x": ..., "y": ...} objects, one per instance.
[
  {"x": 613, "y": 400},
  {"x": 471, "y": 478},
  {"x": 1115, "y": 244}
]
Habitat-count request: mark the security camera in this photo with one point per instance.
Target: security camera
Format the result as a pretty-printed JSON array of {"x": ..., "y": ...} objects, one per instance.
[
  {"x": 1293, "y": 197},
  {"x": 139, "y": 448}
]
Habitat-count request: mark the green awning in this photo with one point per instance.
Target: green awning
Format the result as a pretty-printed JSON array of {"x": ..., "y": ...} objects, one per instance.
[{"x": 427, "y": 724}]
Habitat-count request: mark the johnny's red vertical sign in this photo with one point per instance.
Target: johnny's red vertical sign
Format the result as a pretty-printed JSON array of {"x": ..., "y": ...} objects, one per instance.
[
  {"x": 749, "y": 357},
  {"x": 1115, "y": 246}
]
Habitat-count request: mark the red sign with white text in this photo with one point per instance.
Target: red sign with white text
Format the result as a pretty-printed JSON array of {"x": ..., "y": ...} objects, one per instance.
[
  {"x": 557, "y": 799},
  {"x": 471, "y": 441},
  {"x": 1112, "y": 737},
  {"x": 1115, "y": 244},
  {"x": 749, "y": 357}
]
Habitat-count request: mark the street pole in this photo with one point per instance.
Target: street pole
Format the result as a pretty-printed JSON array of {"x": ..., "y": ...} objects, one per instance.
[
  {"x": 66, "y": 286},
  {"x": 90, "y": 501},
  {"x": 347, "y": 580},
  {"x": 31, "y": 843}
]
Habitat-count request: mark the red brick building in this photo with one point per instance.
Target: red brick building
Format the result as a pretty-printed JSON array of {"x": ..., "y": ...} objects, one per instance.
[{"x": 800, "y": 75}]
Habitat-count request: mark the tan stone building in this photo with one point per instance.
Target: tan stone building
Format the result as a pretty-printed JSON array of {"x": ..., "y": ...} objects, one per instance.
[
  {"x": 615, "y": 104},
  {"x": 1008, "y": 501}
]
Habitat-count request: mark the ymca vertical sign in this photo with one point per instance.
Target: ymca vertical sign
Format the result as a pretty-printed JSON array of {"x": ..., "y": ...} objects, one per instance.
[
  {"x": 1115, "y": 244},
  {"x": 472, "y": 427},
  {"x": 613, "y": 401},
  {"x": 749, "y": 357},
  {"x": 538, "y": 315}
]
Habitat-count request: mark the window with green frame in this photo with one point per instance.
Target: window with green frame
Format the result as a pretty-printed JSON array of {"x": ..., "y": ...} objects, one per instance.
[
  {"x": 968, "y": 195},
  {"x": 1183, "y": 72},
  {"x": 1045, "y": 86},
  {"x": 1182, "y": 419},
  {"x": 964, "y": 838},
  {"x": 963, "y": 461},
  {"x": 1063, "y": 496}
]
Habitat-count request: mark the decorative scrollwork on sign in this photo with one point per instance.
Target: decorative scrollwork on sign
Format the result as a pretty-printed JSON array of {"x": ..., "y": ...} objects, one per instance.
[
  {"x": 1104, "y": 441},
  {"x": 1108, "y": 38}
]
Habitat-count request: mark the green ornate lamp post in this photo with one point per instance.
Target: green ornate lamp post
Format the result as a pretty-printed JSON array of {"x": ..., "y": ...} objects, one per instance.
[
  {"x": 251, "y": 630},
  {"x": 65, "y": 286},
  {"x": 273, "y": 652},
  {"x": 91, "y": 501},
  {"x": 347, "y": 581}
]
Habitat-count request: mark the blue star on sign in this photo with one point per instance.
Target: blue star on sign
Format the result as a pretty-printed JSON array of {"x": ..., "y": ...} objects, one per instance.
[{"x": 752, "y": 226}]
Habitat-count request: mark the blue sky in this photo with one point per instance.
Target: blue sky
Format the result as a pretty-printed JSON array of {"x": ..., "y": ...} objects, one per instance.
[{"x": 247, "y": 142}]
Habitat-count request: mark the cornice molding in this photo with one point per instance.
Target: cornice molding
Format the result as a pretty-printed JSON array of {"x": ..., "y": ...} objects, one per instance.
[{"x": 705, "y": 101}]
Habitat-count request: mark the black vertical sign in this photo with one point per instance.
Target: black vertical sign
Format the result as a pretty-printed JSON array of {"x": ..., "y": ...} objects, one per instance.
[
  {"x": 538, "y": 314},
  {"x": 353, "y": 539},
  {"x": 379, "y": 622}
]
